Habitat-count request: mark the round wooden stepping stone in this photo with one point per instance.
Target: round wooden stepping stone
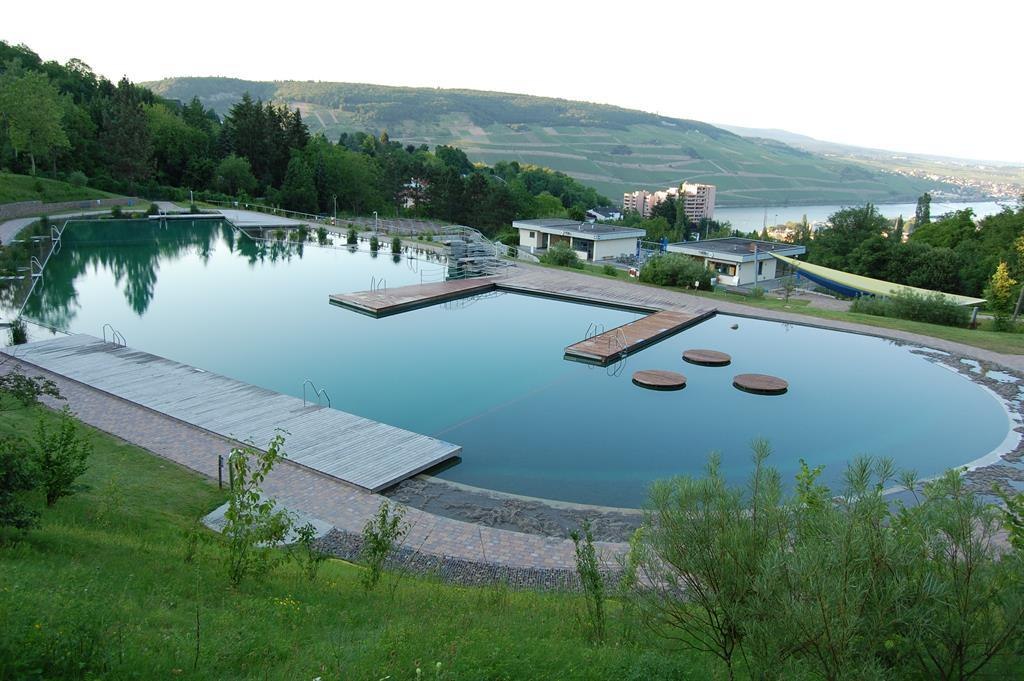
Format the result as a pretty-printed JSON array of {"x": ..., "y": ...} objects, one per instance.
[
  {"x": 657, "y": 379},
  {"x": 708, "y": 358},
  {"x": 760, "y": 384}
]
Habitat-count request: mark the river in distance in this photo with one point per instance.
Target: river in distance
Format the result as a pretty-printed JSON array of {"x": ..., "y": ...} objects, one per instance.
[{"x": 747, "y": 219}]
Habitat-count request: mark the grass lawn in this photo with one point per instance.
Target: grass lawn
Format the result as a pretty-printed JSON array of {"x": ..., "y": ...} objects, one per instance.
[
  {"x": 94, "y": 594},
  {"x": 26, "y": 188},
  {"x": 1011, "y": 343}
]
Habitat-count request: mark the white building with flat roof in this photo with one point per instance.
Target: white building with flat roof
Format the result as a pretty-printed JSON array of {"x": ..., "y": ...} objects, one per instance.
[
  {"x": 591, "y": 241},
  {"x": 737, "y": 261}
]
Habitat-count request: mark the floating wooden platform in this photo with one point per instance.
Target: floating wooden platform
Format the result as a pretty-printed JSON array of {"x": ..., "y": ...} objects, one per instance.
[
  {"x": 365, "y": 453},
  {"x": 708, "y": 358},
  {"x": 392, "y": 301},
  {"x": 621, "y": 341},
  {"x": 760, "y": 384},
  {"x": 659, "y": 379}
]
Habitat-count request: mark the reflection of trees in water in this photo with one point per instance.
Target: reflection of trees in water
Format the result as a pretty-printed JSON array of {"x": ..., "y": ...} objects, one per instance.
[
  {"x": 267, "y": 250},
  {"x": 132, "y": 253}
]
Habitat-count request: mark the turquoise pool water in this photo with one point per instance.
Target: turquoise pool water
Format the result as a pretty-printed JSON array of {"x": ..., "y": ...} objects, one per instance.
[{"x": 489, "y": 375}]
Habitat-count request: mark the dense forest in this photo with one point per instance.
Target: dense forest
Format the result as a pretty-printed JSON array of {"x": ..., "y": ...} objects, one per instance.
[{"x": 65, "y": 122}]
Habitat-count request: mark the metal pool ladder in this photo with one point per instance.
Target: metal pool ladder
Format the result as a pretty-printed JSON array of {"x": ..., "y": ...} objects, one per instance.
[
  {"x": 321, "y": 393},
  {"x": 115, "y": 336}
]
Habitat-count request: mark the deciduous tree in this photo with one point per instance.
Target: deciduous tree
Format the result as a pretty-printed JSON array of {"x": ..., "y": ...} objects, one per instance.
[{"x": 32, "y": 110}]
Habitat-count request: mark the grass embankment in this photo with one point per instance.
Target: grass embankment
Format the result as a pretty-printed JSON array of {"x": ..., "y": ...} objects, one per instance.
[
  {"x": 27, "y": 188},
  {"x": 1011, "y": 343},
  {"x": 94, "y": 594}
]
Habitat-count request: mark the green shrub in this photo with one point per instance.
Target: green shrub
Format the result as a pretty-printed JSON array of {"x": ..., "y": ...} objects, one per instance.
[
  {"x": 610, "y": 270},
  {"x": 817, "y": 584},
  {"x": 60, "y": 455},
  {"x": 933, "y": 308},
  {"x": 380, "y": 535},
  {"x": 321, "y": 236},
  {"x": 587, "y": 568},
  {"x": 76, "y": 178},
  {"x": 353, "y": 236},
  {"x": 116, "y": 212},
  {"x": 254, "y": 524},
  {"x": 374, "y": 244},
  {"x": 19, "y": 333},
  {"x": 302, "y": 235},
  {"x": 757, "y": 292},
  {"x": 306, "y": 553},
  {"x": 18, "y": 476},
  {"x": 18, "y": 390},
  {"x": 153, "y": 209},
  {"x": 675, "y": 269},
  {"x": 396, "y": 245},
  {"x": 561, "y": 255}
]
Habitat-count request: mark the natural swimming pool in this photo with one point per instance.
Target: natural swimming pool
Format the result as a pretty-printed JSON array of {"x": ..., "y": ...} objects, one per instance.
[{"x": 488, "y": 373}]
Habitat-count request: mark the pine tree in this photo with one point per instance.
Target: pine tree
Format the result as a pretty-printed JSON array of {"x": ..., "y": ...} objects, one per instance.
[
  {"x": 1000, "y": 295},
  {"x": 299, "y": 190},
  {"x": 923, "y": 214},
  {"x": 125, "y": 135}
]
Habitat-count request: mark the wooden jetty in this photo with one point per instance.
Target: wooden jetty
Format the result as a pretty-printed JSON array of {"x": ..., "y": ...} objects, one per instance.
[
  {"x": 384, "y": 302},
  {"x": 356, "y": 450},
  {"x": 621, "y": 341}
]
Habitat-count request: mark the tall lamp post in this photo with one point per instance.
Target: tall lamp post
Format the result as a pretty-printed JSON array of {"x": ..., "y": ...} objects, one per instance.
[
  {"x": 335, "y": 210},
  {"x": 374, "y": 222}
]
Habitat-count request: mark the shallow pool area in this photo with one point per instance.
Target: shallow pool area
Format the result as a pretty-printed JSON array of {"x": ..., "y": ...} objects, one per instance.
[{"x": 487, "y": 373}]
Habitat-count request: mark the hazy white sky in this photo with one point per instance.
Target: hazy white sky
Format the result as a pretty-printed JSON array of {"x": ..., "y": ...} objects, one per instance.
[{"x": 933, "y": 77}]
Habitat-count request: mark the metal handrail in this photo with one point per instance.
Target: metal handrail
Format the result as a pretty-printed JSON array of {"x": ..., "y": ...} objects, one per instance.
[
  {"x": 115, "y": 336},
  {"x": 319, "y": 392},
  {"x": 619, "y": 337}
]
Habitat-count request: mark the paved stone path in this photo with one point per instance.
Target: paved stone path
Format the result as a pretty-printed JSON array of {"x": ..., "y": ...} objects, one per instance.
[{"x": 346, "y": 508}]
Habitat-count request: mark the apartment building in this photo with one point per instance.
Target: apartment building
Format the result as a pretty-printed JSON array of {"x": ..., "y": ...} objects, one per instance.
[{"x": 697, "y": 200}]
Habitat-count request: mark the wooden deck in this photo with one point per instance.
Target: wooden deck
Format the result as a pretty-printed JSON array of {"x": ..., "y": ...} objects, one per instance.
[
  {"x": 621, "y": 341},
  {"x": 365, "y": 453},
  {"x": 392, "y": 301}
]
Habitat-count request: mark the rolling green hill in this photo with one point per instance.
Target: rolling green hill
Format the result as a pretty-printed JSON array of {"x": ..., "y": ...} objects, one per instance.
[{"x": 610, "y": 148}]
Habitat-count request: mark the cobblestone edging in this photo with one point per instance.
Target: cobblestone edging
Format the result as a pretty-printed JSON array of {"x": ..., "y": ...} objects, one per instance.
[
  {"x": 1008, "y": 386},
  {"x": 459, "y": 571}
]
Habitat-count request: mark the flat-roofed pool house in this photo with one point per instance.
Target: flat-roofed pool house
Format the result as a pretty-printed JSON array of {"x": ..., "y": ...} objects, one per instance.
[
  {"x": 739, "y": 262},
  {"x": 590, "y": 241}
]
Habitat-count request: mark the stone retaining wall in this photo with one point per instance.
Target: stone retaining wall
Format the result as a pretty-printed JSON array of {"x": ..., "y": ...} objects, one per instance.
[{"x": 23, "y": 209}]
